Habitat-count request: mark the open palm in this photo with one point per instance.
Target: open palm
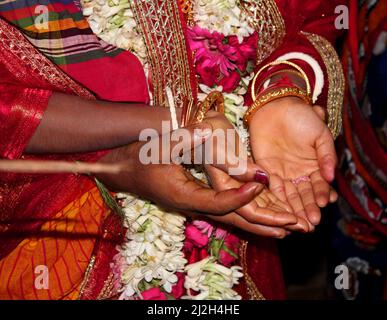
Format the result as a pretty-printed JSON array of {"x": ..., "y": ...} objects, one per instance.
[{"x": 290, "y": 140}]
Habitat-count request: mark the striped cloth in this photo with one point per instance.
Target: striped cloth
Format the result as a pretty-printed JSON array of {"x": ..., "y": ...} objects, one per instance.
[{"x": 68, "y": 38}]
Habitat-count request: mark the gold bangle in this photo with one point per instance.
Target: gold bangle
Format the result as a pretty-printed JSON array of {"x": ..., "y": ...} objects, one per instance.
[
  {"x": 214, "y": 100},
  {"x": 272, "y": 95},
  {"x": 276, "y": 63}
]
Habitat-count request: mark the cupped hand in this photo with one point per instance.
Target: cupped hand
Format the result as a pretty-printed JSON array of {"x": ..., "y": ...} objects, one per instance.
[
  {"x": 266, "y": 215},
  {"x": 289, "y": 139}
]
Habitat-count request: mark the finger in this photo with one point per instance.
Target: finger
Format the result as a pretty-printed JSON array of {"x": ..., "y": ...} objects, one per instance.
[
  {"x": 321, "y": 189},
  {"x": 312, "y": 210},
  {"x": 277, "y": 187},
  {"x": 302, "y": 225},
  {"x": 230, "y": 155},
  {"x": 265, "y": 231},
  {"x": 251, "y": 212},
  {"x": 195, "y": 197},
  {"x": 245, "y": 171},
  {"x": 183, "y": 141},
  {"x": 254, "y": 214},
  {"x": 297, "y": 205},
  {"x": 320, "y": 111},
  {"x": 326, "y": 155},
  {"x": 333, "y": 195},
  {"x": 279, "y": 203}
]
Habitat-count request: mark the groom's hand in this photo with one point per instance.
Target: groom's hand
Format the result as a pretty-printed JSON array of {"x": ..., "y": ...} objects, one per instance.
[
  {"x": 228, "y": 153},
  {"x": 170, "y": 185}
]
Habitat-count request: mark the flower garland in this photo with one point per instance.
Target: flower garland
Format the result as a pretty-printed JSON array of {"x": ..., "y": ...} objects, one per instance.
[{"x": 165, "y": 257}]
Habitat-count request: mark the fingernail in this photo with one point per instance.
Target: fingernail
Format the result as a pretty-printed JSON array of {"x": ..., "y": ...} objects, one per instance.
[{"x": 262, "y": 177}]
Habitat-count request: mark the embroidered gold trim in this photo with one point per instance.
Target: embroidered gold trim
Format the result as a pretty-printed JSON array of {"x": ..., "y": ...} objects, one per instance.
[
  {"x": 13, "y": 41},
  {"x": 107, "y": 290},
  {"x": 265, "y": 17},
  {"x": 86, "y": 278},
  {"x": 160, "y": 26},
  {"x": 336, "y": 81},
  {"x": 187, "y": 8},
  {"x": 252, "y": 289}
]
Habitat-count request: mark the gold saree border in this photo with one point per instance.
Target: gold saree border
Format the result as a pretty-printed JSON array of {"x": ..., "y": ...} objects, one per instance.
[
  {"x": 252, "y": 289},
  {"x": 336, "y": 80},
  {"x": 265, "y": 17},
  {"x": 161, "y": 28}
]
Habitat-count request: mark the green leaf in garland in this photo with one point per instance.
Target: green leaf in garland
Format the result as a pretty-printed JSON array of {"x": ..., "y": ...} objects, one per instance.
[
  {"x": 229, "y": 251},
  {"x": 109, "y": 199}
]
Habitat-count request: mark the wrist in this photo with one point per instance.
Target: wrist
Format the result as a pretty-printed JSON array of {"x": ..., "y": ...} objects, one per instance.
[
  {"x": 275, "y": 110},
  {"x": 272, "y": 95}
]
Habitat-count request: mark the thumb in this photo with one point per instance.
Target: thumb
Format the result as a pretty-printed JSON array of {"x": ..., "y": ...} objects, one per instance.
[
  {"x": 183, "y": 141},
  {"x": 320, "y": 111},
  {"x": 326, "y": 155},
  {"x": 253, "y": 172}
]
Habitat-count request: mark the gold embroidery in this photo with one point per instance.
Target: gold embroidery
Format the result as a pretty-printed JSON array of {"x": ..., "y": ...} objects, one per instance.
[
  {"x": 160, "y": 25},
  {"x": 107, "y": 290},
  {"x": 336, "y": 81},
  {"x": 86, "y": 278},
  {"x": 187, "y": 8},
  {"x": 252, "y": 289},
  {"x": 15, "y": 43},
  {"x": 265, "y": 17}
]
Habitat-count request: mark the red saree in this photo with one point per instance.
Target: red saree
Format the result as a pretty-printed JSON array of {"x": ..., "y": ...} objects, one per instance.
[{"x": 60, "y": 220}]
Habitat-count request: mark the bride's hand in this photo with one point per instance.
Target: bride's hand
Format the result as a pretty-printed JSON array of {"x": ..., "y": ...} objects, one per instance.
[
  {"x": 290, "y": 140},
  {"x": 266, "y": 215}
]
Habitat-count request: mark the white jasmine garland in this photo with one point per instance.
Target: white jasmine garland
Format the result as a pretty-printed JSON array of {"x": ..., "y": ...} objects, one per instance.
[
  {"x": 153, "y": 250},
  {"x": 234, "y": 106},
  {"x": 212, "y": 280},
  {"x": 223, "y": 16},
  {"x": 113, "y": 22}
]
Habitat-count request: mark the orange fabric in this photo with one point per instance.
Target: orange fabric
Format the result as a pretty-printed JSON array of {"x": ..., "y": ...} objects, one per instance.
[
  {"x": 65, "y": 246},
  {"x": 58, "y": 25}
]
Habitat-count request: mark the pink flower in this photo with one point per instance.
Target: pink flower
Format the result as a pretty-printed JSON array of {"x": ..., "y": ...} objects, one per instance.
[
  {"x": 195, "y": 236},
  {"x": 245, "y": 51},
  {"x": 208, "y": 229},
  {"x": 211, "y": 51},
  {"x": 178, "y": 288},
  {"x": 232, "y": 243},
  {"x": 154, "y": 294},
  {"x": 204, "y": 227},
  {"x": 218, "y": 57}
]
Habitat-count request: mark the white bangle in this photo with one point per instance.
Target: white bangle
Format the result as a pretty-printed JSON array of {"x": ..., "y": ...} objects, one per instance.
[
  {"x": 318, "y": 73},
  {"x": 172, "y": 108}
]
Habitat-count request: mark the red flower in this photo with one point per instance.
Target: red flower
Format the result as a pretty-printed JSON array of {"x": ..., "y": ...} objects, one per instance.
[
  {"x": 154, "y": 294},
  {"x": 232, "y": 243},
  {"x": 231, "y": 82},
  {"x": 178, "y": 288},
  {"x": 245, "y": 51}
]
